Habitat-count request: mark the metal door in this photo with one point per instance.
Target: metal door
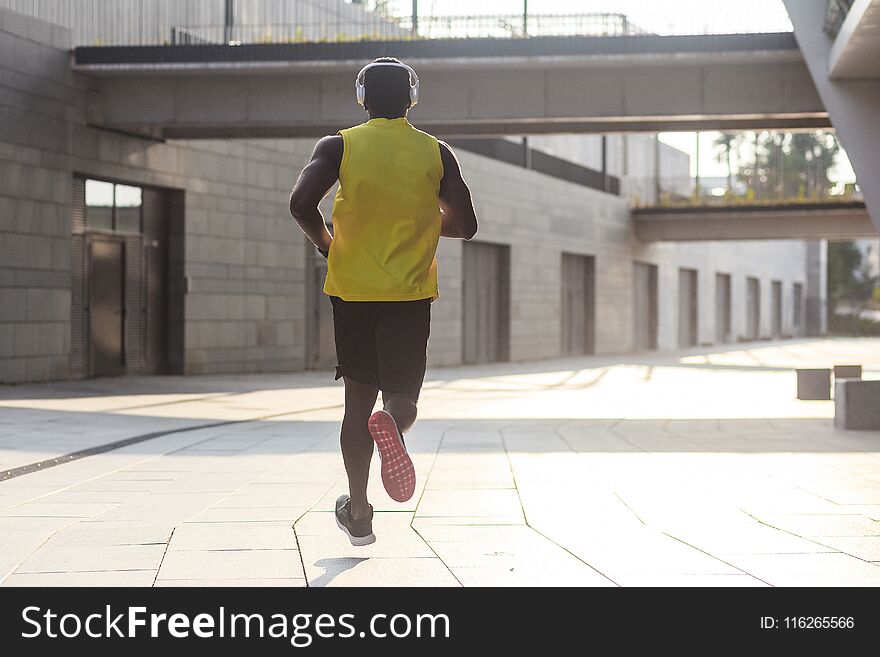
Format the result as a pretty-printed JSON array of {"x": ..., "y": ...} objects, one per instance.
[
  {"x": 321, "y": 354},
  {"x": 485, "y": 302},
  {"x": 776, "y": 310},
  {"x": 753, "y": 308},
  {"x": 645, "y": 306},
  {"x": 106, "y": 306},
  {"x": 687, "y": 307},
  {"x": 722, "y": 308},
  {"x": 797, "y": 315},
  {"x": 154, "y": 282},
  {"x": 577, "y": 305}
]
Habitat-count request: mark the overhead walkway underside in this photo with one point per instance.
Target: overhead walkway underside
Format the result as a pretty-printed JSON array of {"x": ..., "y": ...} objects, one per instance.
[
  {"x": 802, "y": 221},
  {"x": 470, "y": 87}
]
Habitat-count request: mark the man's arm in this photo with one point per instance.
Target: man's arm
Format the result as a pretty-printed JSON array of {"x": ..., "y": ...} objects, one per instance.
[
  {"x": 456, "y": 205},
  {"x": 319, "y": 175}
]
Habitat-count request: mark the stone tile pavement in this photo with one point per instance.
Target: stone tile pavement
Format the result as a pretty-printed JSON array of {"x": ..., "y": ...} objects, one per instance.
[{"x": 697, "y": 468}]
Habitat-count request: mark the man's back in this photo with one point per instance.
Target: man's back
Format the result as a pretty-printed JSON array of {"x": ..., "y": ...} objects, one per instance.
[{"x": 386, "y": 215}]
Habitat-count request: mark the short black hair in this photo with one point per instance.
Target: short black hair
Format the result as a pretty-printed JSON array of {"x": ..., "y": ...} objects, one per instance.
[{"x": 387, "y": 87}]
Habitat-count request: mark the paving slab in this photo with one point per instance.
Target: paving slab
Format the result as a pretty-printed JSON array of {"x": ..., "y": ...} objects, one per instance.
[
  {"x": 233, "y": 536},
  {"x": 662, "y": 469},
  {"x": 828, "y": 569},
  {"x": 52, "y": 559},
  {"x": 364, "y": 571},
  {"x": 113, "y": 578},
  {"x": 230, "y": 564},
  {"x": 290, "y": 582}
]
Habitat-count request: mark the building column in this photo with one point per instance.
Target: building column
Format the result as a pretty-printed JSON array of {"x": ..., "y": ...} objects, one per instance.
[{"x": 816, "y": 293}]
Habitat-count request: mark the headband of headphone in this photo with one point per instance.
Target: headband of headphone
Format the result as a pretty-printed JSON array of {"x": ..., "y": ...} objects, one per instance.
[{"x": 413, "y": 82}]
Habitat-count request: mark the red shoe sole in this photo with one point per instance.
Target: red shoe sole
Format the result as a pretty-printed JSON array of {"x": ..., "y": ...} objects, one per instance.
[{"x": 398, "y": 473}]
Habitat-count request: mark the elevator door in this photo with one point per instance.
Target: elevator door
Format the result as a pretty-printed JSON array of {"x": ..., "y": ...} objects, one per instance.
[
  {"x": 106, "y": 304},
  {"x": 645, "y": 306},
  {"x": 577, "y": 317}
]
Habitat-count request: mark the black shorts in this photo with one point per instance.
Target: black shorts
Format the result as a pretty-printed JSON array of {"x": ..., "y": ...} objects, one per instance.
[{"x": 383, "y": 343}]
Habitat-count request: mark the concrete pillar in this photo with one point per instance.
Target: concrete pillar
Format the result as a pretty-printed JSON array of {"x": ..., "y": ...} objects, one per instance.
[
  {"x": 816, "y": 316},
  {"x": 855, "y": 404}
]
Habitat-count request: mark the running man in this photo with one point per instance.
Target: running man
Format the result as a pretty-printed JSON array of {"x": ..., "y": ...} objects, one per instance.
[{"x": 400, "y": 190}]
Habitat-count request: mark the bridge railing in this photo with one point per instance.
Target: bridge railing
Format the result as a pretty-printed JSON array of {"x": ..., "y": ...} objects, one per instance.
[
  {"x": 379, "y": 27},
  {"x": 499, "y": 26},
  {"x": 691, "y": 192},
  {"x": 189, "y": 22}
]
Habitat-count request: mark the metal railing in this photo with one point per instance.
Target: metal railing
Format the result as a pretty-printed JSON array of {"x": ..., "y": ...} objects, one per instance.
[
  {"x": 519, "y": 26},
  {"x": 165, "y": 22},
  {"x": 429, "y": 27},
  {"x": 314, "y": 32},
  {"x": 522, "y": 155},
  {"x": 690, "y": 192}
]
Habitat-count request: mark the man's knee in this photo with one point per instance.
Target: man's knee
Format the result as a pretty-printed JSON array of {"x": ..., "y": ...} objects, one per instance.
[
  {"x": 403, "y": 408},
  {"x": 359, "y": 397}
]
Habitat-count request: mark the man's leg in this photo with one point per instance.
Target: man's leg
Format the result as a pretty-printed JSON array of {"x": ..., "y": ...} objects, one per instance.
[
  {"x": 402, "y": 409},
  {"x": 402, "y": 331},
  {"x": 357, "y": 443}
]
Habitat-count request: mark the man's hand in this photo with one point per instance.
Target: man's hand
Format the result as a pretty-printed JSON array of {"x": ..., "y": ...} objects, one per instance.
[
  {"x": 456, "y": 206},
  {"x": 318, "y": 177}
]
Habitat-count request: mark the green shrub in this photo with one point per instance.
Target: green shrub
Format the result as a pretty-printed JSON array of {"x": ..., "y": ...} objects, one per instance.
[{"x": 852, "y": 325}]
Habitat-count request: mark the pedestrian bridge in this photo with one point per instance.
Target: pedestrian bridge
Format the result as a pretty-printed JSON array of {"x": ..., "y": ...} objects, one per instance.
[
  {"x": 832, "y": 220},
  {"x": 470, "y": 87}
]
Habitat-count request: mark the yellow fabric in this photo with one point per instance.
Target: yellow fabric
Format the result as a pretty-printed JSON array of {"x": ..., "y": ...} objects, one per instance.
[{"x": 386, "y": 214}]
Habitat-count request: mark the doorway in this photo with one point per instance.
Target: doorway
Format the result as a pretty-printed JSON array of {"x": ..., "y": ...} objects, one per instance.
[
  {"x": 126, "y": 290},
  {"x": 722, "y": 308},
  {"x": 486, "y": 302},
  {"x": 797, "y": 314},
  {"x": 578, "y": 304},
  {"x": 645, "y": 309},
  {"x": 106, "y": 306},
  {"x": 687, "y": 308},
  {"x": 320, "y": 341},
  {"x": 753, "y": 308},
  {"x": 776, "y": 308}
]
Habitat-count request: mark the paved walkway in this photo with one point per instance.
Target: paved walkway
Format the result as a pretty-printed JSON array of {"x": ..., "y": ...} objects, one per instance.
[{"x": 697, "y": 468}]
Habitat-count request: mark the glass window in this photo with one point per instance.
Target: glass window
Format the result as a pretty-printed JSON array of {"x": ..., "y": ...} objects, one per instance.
[
  {"x": 99, "y": 205},
  {"x": 128, "y": 209},
  {"x": 113, "y": 207}
]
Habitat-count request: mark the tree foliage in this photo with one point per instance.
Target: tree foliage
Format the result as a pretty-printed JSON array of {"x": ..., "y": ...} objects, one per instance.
[{"x": 780, "y": 165}]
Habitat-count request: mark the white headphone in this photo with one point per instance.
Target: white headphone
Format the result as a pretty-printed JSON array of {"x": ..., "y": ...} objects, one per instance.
[{"x": 413, "y": 82}]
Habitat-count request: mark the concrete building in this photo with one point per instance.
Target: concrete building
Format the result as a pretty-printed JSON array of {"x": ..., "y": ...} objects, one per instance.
[{"x": 125, "y": 254}]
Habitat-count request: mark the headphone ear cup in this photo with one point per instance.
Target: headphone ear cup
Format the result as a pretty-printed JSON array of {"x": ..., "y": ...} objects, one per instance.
[
  {"x": 360, "y": 90},
  {"x": 413, "y": 95}
]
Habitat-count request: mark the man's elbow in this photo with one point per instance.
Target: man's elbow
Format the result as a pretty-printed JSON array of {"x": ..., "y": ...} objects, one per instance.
[
  {"x": 471, "y": 230},
  {"x": 300, "y": 205}
]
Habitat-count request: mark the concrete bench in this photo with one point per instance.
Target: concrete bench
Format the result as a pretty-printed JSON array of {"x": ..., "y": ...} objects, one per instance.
[
  {"x": 847, "y": 372},
  {"x": 857, "y": 404},
  {"x": 813, "y": 384}
]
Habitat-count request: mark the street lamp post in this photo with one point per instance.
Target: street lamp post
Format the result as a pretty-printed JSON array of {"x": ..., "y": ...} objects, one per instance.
[
  {"x": 229, "y": 20},
  {"x": 415, "y": 19}
]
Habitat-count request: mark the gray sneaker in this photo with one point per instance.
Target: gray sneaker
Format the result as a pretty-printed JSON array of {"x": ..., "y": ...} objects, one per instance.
[{"x": 360, "y": 531}]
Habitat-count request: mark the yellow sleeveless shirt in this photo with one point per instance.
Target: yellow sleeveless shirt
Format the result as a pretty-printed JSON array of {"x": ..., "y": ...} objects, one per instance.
[{"x": 386, "y": 214}]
